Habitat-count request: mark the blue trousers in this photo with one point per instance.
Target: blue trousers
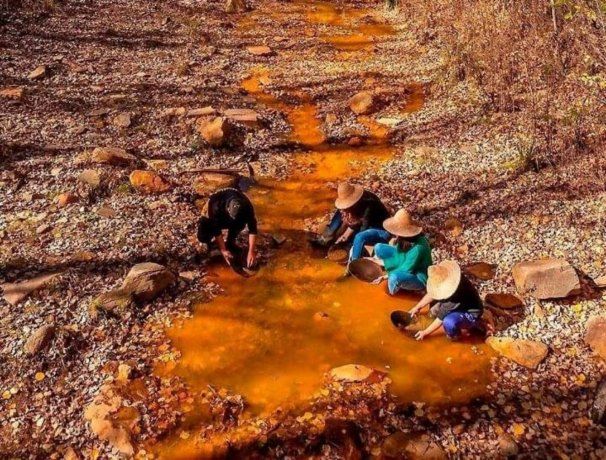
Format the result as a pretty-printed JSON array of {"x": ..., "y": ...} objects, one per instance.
[
  {"x": 335, "y": 223},
  {"x": 403, "y": 280},
  {"x": 368, "y": 237},
  {"x": 457, "y": 321}
]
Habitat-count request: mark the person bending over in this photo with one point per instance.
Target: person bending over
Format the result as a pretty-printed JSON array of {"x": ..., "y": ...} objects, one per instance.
[
  {"x": 407, "y": 261},
  {"x": 357, "y": 210},
  {"x": 229, "y": 209},
  {"x": 455, "y": 303}
]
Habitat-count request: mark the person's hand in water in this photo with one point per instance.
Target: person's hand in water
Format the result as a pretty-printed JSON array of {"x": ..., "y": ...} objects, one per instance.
[
  {"x": 379, "y": 280},
  {"x": 228, "y": 256},
  {"x": 420, "y": 335},
  {"x": 251, "y": 258}
]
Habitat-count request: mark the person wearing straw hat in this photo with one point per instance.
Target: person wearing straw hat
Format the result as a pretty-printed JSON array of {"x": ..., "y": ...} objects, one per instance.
[
  {"x": 456, "y": 304},
  {"x": 406, "y": 261},
  {"x": 357, "y": 210}
]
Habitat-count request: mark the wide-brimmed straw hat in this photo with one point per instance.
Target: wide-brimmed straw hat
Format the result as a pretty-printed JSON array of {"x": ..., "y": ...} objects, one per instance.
[
  {"x": 402, "y": 225},
  {"x": 443, "y": 279},
  {"x": 348, "y": 195}
]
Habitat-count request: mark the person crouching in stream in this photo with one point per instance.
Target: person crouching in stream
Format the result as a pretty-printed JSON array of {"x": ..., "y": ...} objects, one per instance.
[
  {"x": 358, "y": 211},
  {"x": 229, "y": 209},
  {"x": 406, "y": 262},
  {"x": 455, "y": 303}
]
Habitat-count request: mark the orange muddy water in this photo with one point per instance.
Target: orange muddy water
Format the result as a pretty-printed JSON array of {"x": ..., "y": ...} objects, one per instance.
[{"x": 272, "y": 337}]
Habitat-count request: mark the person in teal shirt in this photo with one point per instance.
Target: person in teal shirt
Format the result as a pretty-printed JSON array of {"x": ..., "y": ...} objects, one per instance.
[{"x": 407, "y": 261}]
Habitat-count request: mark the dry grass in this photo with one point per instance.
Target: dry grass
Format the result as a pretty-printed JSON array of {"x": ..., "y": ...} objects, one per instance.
[{"x": 541, "y": 64}]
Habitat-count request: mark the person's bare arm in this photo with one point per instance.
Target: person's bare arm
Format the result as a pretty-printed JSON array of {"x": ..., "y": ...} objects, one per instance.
[
  {"x": 434, "y": 326},
  {"x": 345, "y": 236},
  {"x": 227, "y": 255},
  {"x": 426, "y": 300},
  {"x": 252, "y": 250}
]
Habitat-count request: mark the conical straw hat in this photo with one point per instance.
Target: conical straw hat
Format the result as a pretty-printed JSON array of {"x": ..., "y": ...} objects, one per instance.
[
  {"x": 443, "y": 279},
  {"x": 348, "y": 195},
  {"x": 402, "y": 225}
]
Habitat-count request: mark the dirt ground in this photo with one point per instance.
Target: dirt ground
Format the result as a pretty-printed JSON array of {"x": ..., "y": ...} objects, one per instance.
[{"x": 452, "y": 162}]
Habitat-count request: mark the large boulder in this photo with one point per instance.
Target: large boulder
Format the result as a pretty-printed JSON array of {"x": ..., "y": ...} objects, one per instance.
[
  {"x": 112, "y": 156},
  {"x": 527, "y": 353},
  {"x": 39, "y": 339},
  {"x": 546, "y": 278},
  {"x": 595, "y": 335},
  {"x": 14, "y": 293},
  {"x": 148, "y": 182},
  {"x": 504, "y": 301},
  {"x": 362, "y": 103},
  {"x": 147, "y": 280}
]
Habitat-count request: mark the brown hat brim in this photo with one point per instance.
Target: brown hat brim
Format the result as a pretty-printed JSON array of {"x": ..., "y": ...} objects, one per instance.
[
  {"x": 397, "y": 228},
  {"x": 349, "y": 201}
]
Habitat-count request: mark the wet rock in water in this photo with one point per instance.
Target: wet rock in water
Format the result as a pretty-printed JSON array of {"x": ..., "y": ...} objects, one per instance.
[
  {"x": 401, "y": 445},
  {"x": 598, "y": 408},
  {"x": 65, "y": 199},
  {"x": 481, "y": 270},
  {"x": 546, "y": 278},
  {"x": 112, "y": 156},
  {"x": 14, "y": 293},
  {"x": 278, "y": 238},
  {"x": 504, "y": 301},
  {"x": 260, "y": 50},
  {"x": 528, "y": 353},
  {"x": 147, "y": 280},
  {"x": 354, "y": 373},
  {"x": 355, "y": 141},
  {"x": 345, "y": 436},
  {"x": 39, "y": 339},
  {"x": 148, "y": 182},
  {"x": 362, "y": 103},
  {"x": 321, "y": 316},
  {"x": 38, "y": 73},
  {"x": 90, "y": 177},
  {"x": 595, "y": 335},
  {"x": 122, "y": 120},
  {"x": 13, "y": 92},
  {"x": 507, "y": 446},
  {"x": 111, "y": 420},
  {"x": 215, "y": 131}
]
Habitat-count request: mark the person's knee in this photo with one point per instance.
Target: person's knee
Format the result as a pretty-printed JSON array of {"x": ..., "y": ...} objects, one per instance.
[
  {"x": 392, "y": 284},
  {"x": 451, "y": 326}
]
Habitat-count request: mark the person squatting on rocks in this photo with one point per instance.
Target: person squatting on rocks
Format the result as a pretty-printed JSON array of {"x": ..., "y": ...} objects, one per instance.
[
  {"x": 455, "y": 303},
  {"x": 229, "y": 209},
  {"x": 358, "y": 211},
  {"x": 407, "y": 260}
]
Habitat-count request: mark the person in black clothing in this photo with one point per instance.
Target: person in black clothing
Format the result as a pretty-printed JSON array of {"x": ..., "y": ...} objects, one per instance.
[
  {"x": 358, "y": 210},
  {"x": 229, "y": 209},
  {"x": 456, "y": 304}
]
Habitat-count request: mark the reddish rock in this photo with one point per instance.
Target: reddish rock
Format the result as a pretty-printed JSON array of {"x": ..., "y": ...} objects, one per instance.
[
  {"x": 65, "y": 199},
  {"x": 546, "y": 278},
  {"x": 113, "y": 156},
  {"x": 39, "y": 339},
  {"x": 504, "y": 301},
  {"x": 481, "y": 270},
  {"x": 595, "y": 335},
  {"x": 528, "y": 353},
  {"x": 13, "y": 92},
  {"x": 215, "y": 131},
  {"x": 362, "y": 103},
  {"x": 148, "y": 182},
  {"x": 38, "y": 73},
  {"x": 261, "y": 50},
  {"x": 354, "y": 373}
]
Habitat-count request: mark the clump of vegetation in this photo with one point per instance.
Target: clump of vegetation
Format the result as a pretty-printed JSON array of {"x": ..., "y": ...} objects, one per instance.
[{"x": 538, "y": 65}]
